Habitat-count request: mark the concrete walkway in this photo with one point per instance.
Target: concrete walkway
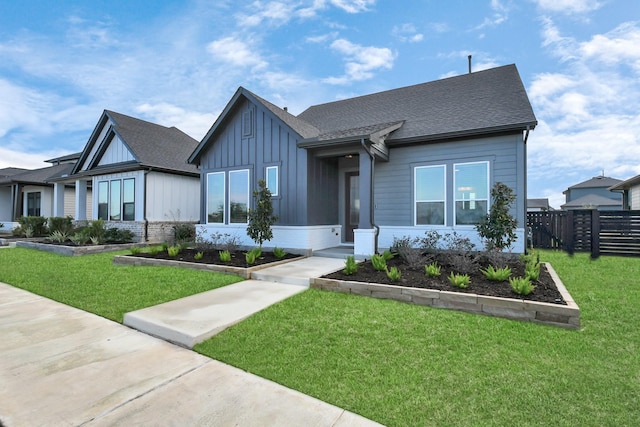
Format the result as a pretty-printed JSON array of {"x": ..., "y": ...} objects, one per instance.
[
  {"x": 191, "y": 320},
  {"x": 60, "y": 366}
]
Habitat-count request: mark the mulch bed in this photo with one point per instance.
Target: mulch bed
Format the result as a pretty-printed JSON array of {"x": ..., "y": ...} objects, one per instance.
[
  {"x": 212, "y": 257},
  {"x": 545, "y": 288}
]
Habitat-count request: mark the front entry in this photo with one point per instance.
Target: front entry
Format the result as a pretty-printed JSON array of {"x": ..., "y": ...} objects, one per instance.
[{"x": 352, "y": 204}]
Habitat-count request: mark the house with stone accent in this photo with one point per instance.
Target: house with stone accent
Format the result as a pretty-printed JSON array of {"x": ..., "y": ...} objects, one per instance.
[
  {"x": 364, "y": 170},
  {"x": 139, "y": 177}
]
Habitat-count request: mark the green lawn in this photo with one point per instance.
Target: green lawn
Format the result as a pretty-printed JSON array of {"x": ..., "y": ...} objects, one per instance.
[
  {"x": 405, "y": 365},
  {"x": 92, "y": 283}
]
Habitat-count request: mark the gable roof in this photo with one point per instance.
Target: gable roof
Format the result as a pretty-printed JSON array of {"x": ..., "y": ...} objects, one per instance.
[
  {"x": 486, "y": 101},
  {"x": 41, "y": 176},
  {"x": 596, "y": 182},
  {"x": 627, "y": 184},
  {"x": 592, "y": 200},
  {"x": 152, "y": 145}
]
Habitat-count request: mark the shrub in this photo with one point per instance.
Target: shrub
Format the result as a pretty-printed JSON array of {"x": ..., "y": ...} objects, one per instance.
[
  {"x": 432, "y": 270},
  {"x": 117, "y": 235},
  {"x": 198, "y": 256},
  {"x": 387, "y": 255},
  {"x": 61, "y": 224},
  {"x": 465, "y": 263},
  {"x": 33, "y": 226},
  {"x": 173, "y": 251},
  {"x": 351, "y": 266},
  {"x": 394, "y": 274},
  {"x": 250, "y": 257},
  {"x": 225, "y": 256},
  {"x": 498, "y": 226},
  {"x": 496, "y": 274},
  {"x": 58, "y": 236},
  {"x": 521, "y": 285},
  {"x": 532, "y": 271},
  {"x": 81, "y": 237},
  {"x": 429, "y": 243},
  {"x": 135, "y": 250},
  {"x": 378, "y": 262},
  {"x": 261, "y": 218},
  {"x": 412, "y": 256},
  {"x": 279, "y": 253},
  {"x": 184, "y": 233},
  {"x": 96, "y": 230},
  {"x": 456, "y": 243},
  {"x": 460, "y": 280},
  {"x": 155, "y": 250}
]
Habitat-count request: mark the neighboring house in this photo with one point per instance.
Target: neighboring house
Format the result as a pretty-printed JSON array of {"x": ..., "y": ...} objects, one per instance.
[
  {"x": 139, "y": 175},
  {"x": 26, "y": 192},
  {"x": 593, "y": 194},
  {"x": 630, "y": 190},
  {"x": 364, "y": 170},
  {"x": 538, "y": 205}
]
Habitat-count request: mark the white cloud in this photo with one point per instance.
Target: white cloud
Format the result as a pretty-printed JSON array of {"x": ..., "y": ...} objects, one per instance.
[
  {"x": 192, "y": 123},
  {"x": 353, "y": 6},
  {"x": 619, "y": 46},
  {"x": 360, "y": 61},
  {"x": 569, "y": 6},
  {"x": 236, "y": 52},
  {"x": 500, "y": 15},
  {"x": 407, "y": 33},
  {"x": 19, "y": 159}
]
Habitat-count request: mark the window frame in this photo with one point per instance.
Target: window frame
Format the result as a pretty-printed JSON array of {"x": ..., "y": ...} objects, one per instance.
[
  {"x": 224, "y": 197},
  {"x": 34, "y": 203},
  {"x": 415, "y": 194},
  {"x": 126, "y": 203},
  {"x": 115, "y": 200},
  {"x": 248, "y": 193},
  {"x": 487, "y": 199},
  {"x": 106, "y": 192},
  {"x": 276, "y": 192}
]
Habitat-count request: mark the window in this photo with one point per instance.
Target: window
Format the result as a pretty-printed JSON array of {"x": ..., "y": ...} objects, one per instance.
[
  {"x": 128, "y": 199},
  {"x": 215, "y": 197},
  {"x": 103, "y": 200},
  {"x": 33, "y": 204},
  {"x": 228, "y": 197},
  {"x": 471, "y": 182},
  {"x": 116, "y": 200},
  {"x": 430, "y": 195},
  {"x": 271, "y": 176},
  {"x": 238, "y": 196}
]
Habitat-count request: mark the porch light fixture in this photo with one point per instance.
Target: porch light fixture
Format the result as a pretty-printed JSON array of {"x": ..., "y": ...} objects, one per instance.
[{"x": 349, "y": 156}]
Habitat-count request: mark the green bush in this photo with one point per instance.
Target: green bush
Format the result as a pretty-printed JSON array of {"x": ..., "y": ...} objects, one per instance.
[
  {"x": 32, "y": 226},
  {"x": 173, "y": 251},
  {"x": 351, "y": 266},
  {"x": 61, "y": 224},
  {"x": 460, "y": 280},
  {"x": 117, "y": 235},
  {"x": 378, "y": 262},
  {"x": 496, "y": 274},
  {"x": 432, "y": 270},
  {"x": 394, "y": 274},
  {"x": 250, "y": 257},
  {"x": 96, "y": 230},
  {"x": 261, "y": 218},
  {"x": 279, "y": 253},
  {"x": 498, "y": 226},
  {"x": 184, "y": 233},
  {"x": 521, "y": 285},
  {"x": 198, "y": 256},
  {"x": 155, "y": 250},
  {"x": 225, "y": 256},
  {"x": 388, "y": 255},
  {"x": 135, "y": 250},
  {"x": 532, "y": 271},
  {"x": 58, "y": 236}
]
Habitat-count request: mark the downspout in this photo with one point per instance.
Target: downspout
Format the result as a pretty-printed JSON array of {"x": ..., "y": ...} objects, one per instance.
[
  {"x": 144, "y": 207},
  {"x": 526, "y": 135},
  {"x": 371, "y": 195}
]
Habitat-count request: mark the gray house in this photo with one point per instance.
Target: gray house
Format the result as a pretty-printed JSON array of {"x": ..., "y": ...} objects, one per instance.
[
  {"x": 630, "y": 191},
  {"x": 364, "y": 170},
  {"x": 593, "y": 193}
]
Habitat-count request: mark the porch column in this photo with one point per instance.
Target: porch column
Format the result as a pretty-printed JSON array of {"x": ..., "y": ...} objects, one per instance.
[
  {"x": 81, "y": 200},
  {"x": 364, "y": 239},
  {"x": 58, "y": 199}
]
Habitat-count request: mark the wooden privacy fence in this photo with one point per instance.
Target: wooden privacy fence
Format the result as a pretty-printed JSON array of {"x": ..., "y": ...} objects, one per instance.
[{"x": 598, "y": 232}]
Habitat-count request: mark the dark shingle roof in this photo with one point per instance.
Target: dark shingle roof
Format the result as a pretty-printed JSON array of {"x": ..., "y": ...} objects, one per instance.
[
  {"x": 591, "y": 200},
  {"x": 597, "y": 182},
  {"x": 626, "y": 184},
  {"x": 303, "y": 128},
  {"x": 39, "y": 176},
  {"x": 5, "y": 172},
  {"x": 475, "y": 103},
  {"x": 155, "y": 145}
]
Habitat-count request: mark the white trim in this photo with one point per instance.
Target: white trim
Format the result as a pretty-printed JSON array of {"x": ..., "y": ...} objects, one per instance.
[
  {"x": 275, "y": 193},
  {"x": 224, "y": 197},
  {"x": 235, "y": 171},
  {"x": 415, "y": 193},
  {"x": 455, "y": 200}
]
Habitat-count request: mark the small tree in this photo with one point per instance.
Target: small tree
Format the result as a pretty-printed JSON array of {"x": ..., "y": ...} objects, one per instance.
[
  {"x": 498, "y": 227},
  {"x": 261, "y": 218}
]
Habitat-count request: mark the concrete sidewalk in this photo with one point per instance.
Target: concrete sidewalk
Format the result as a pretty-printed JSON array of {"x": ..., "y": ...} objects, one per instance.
[{"x": 60, "y": 366}]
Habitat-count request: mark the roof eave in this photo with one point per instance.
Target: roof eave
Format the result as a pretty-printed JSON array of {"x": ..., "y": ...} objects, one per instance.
[{"x": 519, "y": 127}]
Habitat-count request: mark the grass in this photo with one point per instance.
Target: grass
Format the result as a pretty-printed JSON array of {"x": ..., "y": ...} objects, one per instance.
[
  {"x": 92, "y": 283},
  {"x": 405, "y": 365}
]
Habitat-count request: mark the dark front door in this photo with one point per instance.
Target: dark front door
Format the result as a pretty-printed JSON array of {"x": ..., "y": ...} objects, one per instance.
[{"x": 352, "y": 204}]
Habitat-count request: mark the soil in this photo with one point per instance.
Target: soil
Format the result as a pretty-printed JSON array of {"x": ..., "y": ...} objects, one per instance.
[
  {"x": 545, "y": 288},
  {"x": 212, "y": 257}
]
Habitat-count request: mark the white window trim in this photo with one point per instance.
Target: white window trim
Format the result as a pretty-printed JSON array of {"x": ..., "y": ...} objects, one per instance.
[
  {"x": 455, "y": 200},
  {"x": 224, "y": 197},
  {"x": 275, "y": 193},
  {"x": 415, "y": 195},
  {"x": 228, "y": 208}
]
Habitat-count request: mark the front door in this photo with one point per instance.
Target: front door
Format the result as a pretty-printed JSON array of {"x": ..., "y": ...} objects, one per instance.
[{"x": 352, "y": 204}]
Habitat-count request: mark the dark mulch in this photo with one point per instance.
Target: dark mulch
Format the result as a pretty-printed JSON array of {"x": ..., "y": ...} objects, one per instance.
[
  {"x": 212, "y": 257},
  {"x": 545, "y": 290}
]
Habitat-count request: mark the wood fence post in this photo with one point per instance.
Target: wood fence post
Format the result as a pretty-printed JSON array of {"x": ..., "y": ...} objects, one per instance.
[
  {"x": 595, "y": 234},
  {"x": 568, "y": 232}
]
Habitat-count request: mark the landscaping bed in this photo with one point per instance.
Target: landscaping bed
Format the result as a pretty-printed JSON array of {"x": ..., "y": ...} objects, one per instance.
[{"x": 72, "y": 249}]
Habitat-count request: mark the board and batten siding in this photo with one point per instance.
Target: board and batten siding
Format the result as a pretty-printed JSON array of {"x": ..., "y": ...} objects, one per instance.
[
  {"x": 172, "y": 197},
  {"x": 394, "y": 189},
  {"x": 268, "y": 142},
  {"x": 116, "y": 152},
  {"x": 634, "y": 197}
]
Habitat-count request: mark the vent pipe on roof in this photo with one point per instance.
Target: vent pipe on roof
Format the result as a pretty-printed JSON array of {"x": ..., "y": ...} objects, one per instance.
[
  {"x": 469, "y": 58},
  {"x": 285, "y": 109}
]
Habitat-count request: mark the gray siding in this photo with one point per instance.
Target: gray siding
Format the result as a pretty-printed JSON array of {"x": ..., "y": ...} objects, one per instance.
[
  {"x": 576, "y": 193},
  {"x": 394, "y": 180},
  {"x": 323, "y": 191},
  {"x": 269, "y": 142}
]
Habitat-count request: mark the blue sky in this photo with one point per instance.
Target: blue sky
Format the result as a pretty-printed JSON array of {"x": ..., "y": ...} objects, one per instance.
[{"x": 177, "y": 63}]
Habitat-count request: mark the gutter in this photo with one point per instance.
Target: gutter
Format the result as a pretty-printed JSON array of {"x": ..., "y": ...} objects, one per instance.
[{"x": 371, "y": 195}]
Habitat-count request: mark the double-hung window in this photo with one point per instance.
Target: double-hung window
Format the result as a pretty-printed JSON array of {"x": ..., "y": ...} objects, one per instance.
[
  {"x": 471, "y": 182},
  {"x": 228, "y": 197},
  {"x": 430, "y": 191}
]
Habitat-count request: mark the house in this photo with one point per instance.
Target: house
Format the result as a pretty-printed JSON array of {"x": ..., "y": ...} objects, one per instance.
[
  {"x": 630, "y": 190},
  {"x": 593, "y": 194},
  {"x": 538, "y": 205},
  {"x": 139, "y": 175},
  {"x": 364, "y": 170},
  {"x": 34, "y": 192}
]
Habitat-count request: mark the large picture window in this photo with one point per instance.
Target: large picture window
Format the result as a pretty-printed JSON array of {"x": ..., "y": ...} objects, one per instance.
[
  {"x": 430, "y": 191},
  {"x": 114, "y": 201},
  {"x": 228, "y": 197},
  {"x": 103, "y": 200},
  {"x": 117, "y": 200},
  {"x": 471, "y": 182}
]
